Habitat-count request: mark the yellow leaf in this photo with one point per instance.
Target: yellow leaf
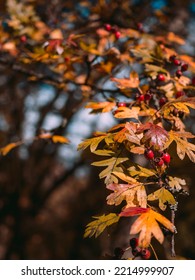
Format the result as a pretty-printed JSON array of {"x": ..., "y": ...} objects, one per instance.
[
  {"x": 5, "y": 150},
  {"x": 59, "y": 139},
  {"x": 183, "y": 146},
  {"x": 164, "y": 197},
  {"x": 139, "y": 171},
  {"x": 124, "y": 177},
  {"x": 148, "y": 227},
  {"x": 104, "y": 107},
  {"x": 98, "y": 226},
  {"x": 92, "y": 142},
  {"x": 127, "y": 113}
]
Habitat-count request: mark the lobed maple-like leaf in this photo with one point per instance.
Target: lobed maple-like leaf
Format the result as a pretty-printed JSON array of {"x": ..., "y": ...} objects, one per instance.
[
  {"x": 98, "y": 226},
  {"x": 155, "y": 136},
  {"x": 131, "y": 82},
  {"x": 131, "y": 133},
  {"x": 91, "y": 142},
  {"x": 134, "y": 194},
  {"x": 139, "y": 171},
  {"x": 164, "y": 196},
  {"x": 181, "y": 104},
  {"x": 147, "y": 226},
  {"x": 112, "y": 164},
  {"x": 153, "y": 70},
  {"x": 176, "y": 183},
  {"x": 183, "y": 146},
  {"x": 127, "y": 113}
]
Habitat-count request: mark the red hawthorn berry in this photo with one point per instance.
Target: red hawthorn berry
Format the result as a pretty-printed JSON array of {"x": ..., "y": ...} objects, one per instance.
[
  {"x": 161, "y": 77},
  {"x": 140, "y": 98},
  {"x": 162, "y": 101},
  {"x": 23, "y": 39},
  {"x": 177, "y": 62},
  {"x": 147, "y": 96},
  {"x": 122, "y": 104},
  {"x": 184, "y": 67},
  {"x": 117, "y": 34},
  {"x": 133, "y": 242},
  {"x": 172, "y": 57},
  {"x": 166, "y": 158},
  {"x": 149, "y": 154},
  {"x": 159, "y": 161},
  {"x": 108, "y": 27},
  {"x": 145, "y": 254},
  {"x": 193, "y": 81},
  {"x": 178, "y": 73},
  {"x": 179, "y": 94}
]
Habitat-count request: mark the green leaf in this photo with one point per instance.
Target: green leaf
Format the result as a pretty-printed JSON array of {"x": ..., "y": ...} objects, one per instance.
[{"x": 98, "y": 226}]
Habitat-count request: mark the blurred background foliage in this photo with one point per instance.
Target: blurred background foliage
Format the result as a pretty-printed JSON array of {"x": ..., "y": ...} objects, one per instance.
[{"x": 48, "y": 192}]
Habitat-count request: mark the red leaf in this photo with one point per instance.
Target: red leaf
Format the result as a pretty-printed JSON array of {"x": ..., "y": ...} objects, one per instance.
[{"x": 132, "y": 211}]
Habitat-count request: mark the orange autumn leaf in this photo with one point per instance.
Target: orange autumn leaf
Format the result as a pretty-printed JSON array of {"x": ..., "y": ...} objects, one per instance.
[
  {"x": 5, "y": 150},
  {"x": 147, "y": 226},
  {"x": 127, "y": 113},
  {"x": 103, "y": 106},
  {"x": 59, "y": 139},
  {"x": 175, "y": 39},
  {"x": 131, "y": 82}
]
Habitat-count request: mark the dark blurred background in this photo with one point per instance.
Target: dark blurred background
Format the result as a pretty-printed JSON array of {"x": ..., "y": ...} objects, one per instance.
[{"x": 49, "y": 192}]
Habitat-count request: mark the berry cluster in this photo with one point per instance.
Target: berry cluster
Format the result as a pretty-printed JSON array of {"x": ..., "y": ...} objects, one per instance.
[
  {"x": 177, "y": 62},
  {"x": 159, "y": 161},
  {"x": 143, "y": 97},
  {"x": 137, "y": 251},
  {"x": 113, "y": 29}
]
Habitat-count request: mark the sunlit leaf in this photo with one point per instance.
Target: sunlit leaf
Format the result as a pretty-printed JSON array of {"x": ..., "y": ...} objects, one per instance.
[
  {"x": 101, "y": 106},
  {"x": 147, "y": 226},
  {"x": 59, "y": 139},
  {"x": 183, "y": 146},
  {"x": 131, "y": 82},
  {"x": 127, "y": 113},
  {"x": 5, "y": 150}
]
